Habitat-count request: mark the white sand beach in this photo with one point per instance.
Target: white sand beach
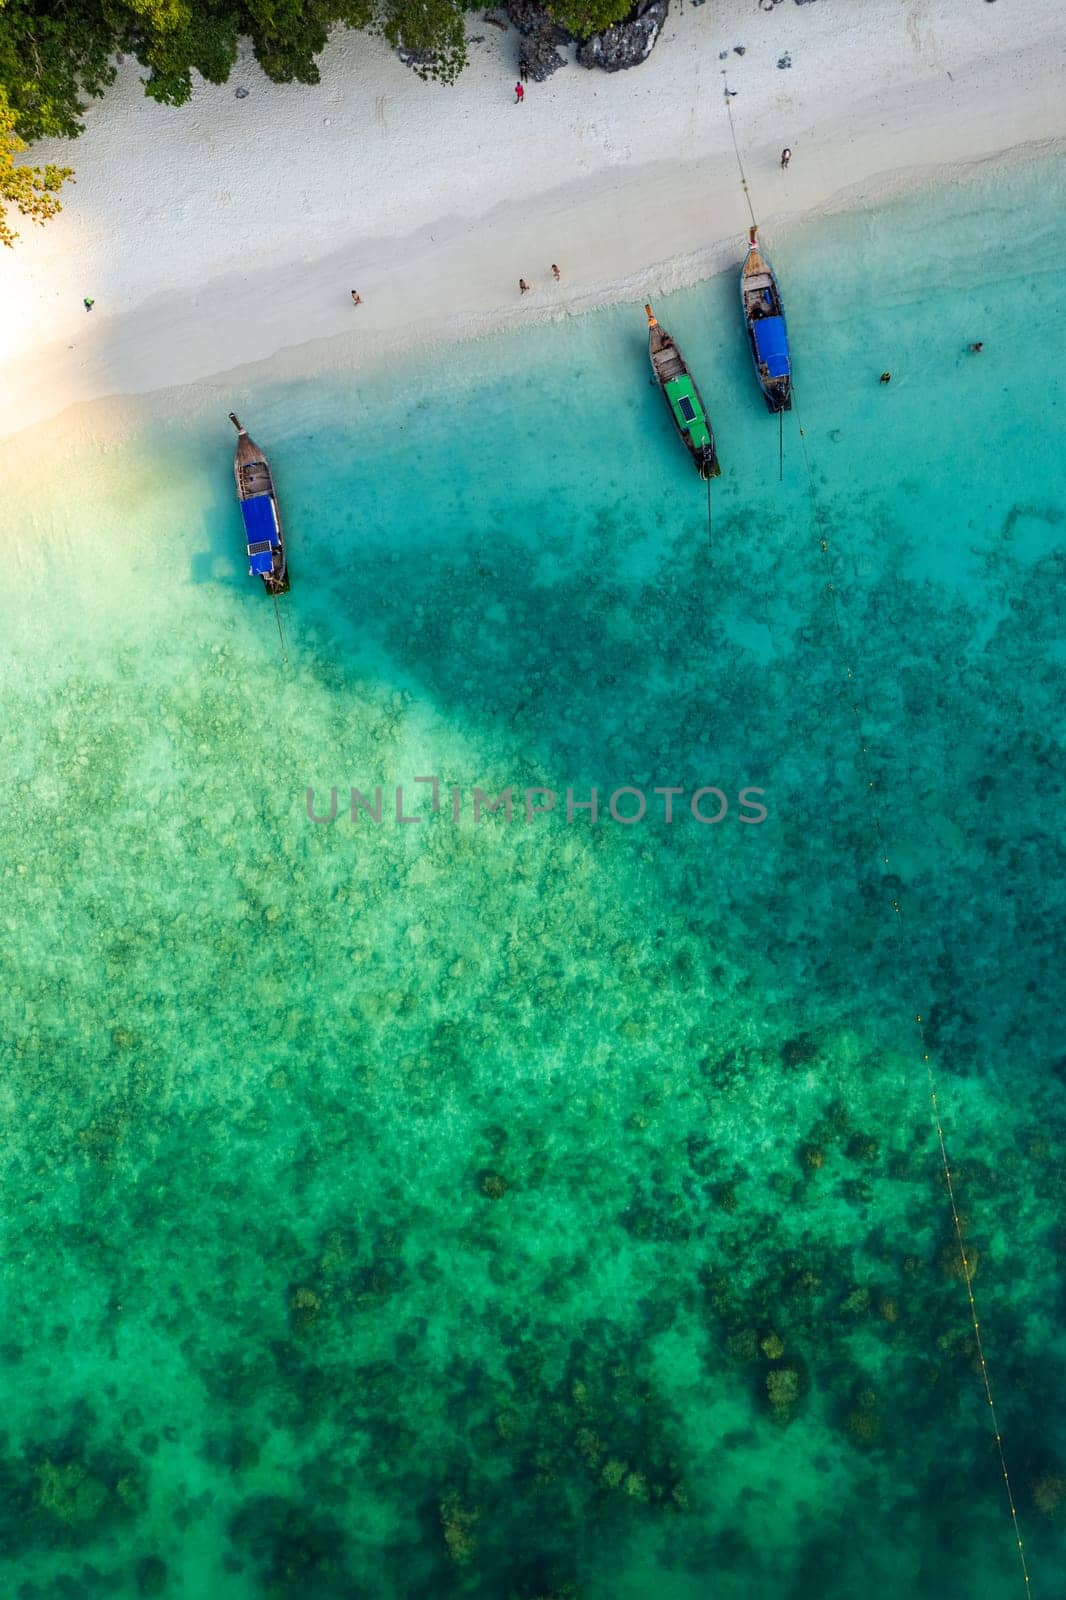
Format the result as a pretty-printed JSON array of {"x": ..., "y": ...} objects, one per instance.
[{"x": 227, "y": 231}]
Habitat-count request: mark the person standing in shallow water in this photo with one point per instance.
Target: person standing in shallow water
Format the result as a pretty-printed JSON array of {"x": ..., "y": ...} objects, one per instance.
[
  {"x": 886, "y": 377},
  {"x": 975, "y": 349}
]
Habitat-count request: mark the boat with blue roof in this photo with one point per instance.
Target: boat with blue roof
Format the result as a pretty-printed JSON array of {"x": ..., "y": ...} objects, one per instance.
[
  {"x": 764, "y": 315},
  {"x": 686, "y": 407},
  {"x": 259, "y": 508}
]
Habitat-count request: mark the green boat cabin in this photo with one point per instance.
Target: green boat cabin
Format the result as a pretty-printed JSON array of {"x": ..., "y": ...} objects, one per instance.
[{"x": 688, "y": 413}]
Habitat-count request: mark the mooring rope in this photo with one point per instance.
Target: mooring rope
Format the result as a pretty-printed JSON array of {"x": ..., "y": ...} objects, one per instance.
[
  {"x": 281, "y": 636},
  {"x": 871, "y": 788},
  {"x": 736, "y": 148},
  {"x": 967, "y": 1270}
]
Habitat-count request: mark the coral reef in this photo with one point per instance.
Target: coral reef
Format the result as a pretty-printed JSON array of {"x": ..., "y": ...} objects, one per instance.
[
  {"x": 784, "y": 1391},
  {"x": 531, "y": 1211},
  {"x": 493, "y": 1185},
  {"x": 458, "y": 1523}
]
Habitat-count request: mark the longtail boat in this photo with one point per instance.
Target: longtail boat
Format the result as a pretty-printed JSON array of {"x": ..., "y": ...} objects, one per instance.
[
  {"x": 683, "y": 400},
  {"x": 760, "y": 300},
  {"x": 259, "y": 508}
]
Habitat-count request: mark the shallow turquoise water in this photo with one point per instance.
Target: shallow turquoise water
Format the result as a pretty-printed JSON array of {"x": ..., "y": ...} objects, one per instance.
[{"x": 554, "y": 1210}]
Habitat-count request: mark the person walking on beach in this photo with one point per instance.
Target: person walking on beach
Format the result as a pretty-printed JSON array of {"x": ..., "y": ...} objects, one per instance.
[
  {"x": 519, "y": 94},
  {"x": 88, "y": 304},
  {"x": 523, "y": 286},
  {"x": 556, "y": 274},
  {"x": 786, "y": 157},
  {"x": 357, "y": 298}
]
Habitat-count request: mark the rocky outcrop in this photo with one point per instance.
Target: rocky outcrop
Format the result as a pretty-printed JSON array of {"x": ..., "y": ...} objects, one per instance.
[
  {"x": 418, "y": 59},
  {"x": 533, "y": 22},
  {"x": 538, "y": 58},
  {"x": 628, "y": 43}
]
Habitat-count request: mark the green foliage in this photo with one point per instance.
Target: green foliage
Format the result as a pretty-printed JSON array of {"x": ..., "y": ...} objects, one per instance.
[
  {"x": 586, "y": 17},
  {"x": 51, "y": 58},
  {"x": 55, "y": 56},
  {"x": 288, "y": 34},
  {"x": 32, "y": 191},
  {"x": 172, "y": 40},
  {"x": 432, "y": 29}
]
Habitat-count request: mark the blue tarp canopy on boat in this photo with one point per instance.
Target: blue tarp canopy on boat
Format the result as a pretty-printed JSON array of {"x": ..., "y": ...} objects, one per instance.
[
  {"x": 261, "y": 532},
  {"x": 259, "y": 521},
  {"x": 771, "y": 344}
]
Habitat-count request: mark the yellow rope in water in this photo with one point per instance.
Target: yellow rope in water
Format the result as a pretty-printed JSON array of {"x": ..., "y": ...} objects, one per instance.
[
  {"x": 281, "y": 636},
  {"x": 967, "y": 1271}
]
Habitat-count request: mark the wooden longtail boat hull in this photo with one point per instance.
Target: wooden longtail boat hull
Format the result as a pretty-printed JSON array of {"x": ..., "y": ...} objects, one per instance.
[
  {"x": 764, "y": 318},
  {"x": 261, "y": 516},
  {"x": 683, "y": 400}
]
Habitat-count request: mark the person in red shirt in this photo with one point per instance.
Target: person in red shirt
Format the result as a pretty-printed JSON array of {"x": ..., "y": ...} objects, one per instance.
[{"x": 519, "y": 94}]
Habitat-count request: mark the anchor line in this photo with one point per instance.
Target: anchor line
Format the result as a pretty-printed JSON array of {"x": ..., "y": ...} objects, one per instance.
[
  {"x": 901, "y": 935},
  {"x": 281, "y": 636},
  {"x": 754, "y": 224},
  {"x": 945, "y": 1164},
  {"x": 736, "y": 151},
  {"x": 709, "y": 511},
  {"x": 967, "y": 1271}
]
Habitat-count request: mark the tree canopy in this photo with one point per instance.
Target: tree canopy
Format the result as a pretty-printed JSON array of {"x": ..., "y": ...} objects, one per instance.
[
  {"x": 56, "y": 55},
  {"x": 32, "y": 191},
  {"x": 583, "y": 18}
]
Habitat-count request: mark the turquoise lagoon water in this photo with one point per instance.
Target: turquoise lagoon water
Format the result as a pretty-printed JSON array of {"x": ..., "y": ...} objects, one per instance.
[{"x": 430, "y": 1210}]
